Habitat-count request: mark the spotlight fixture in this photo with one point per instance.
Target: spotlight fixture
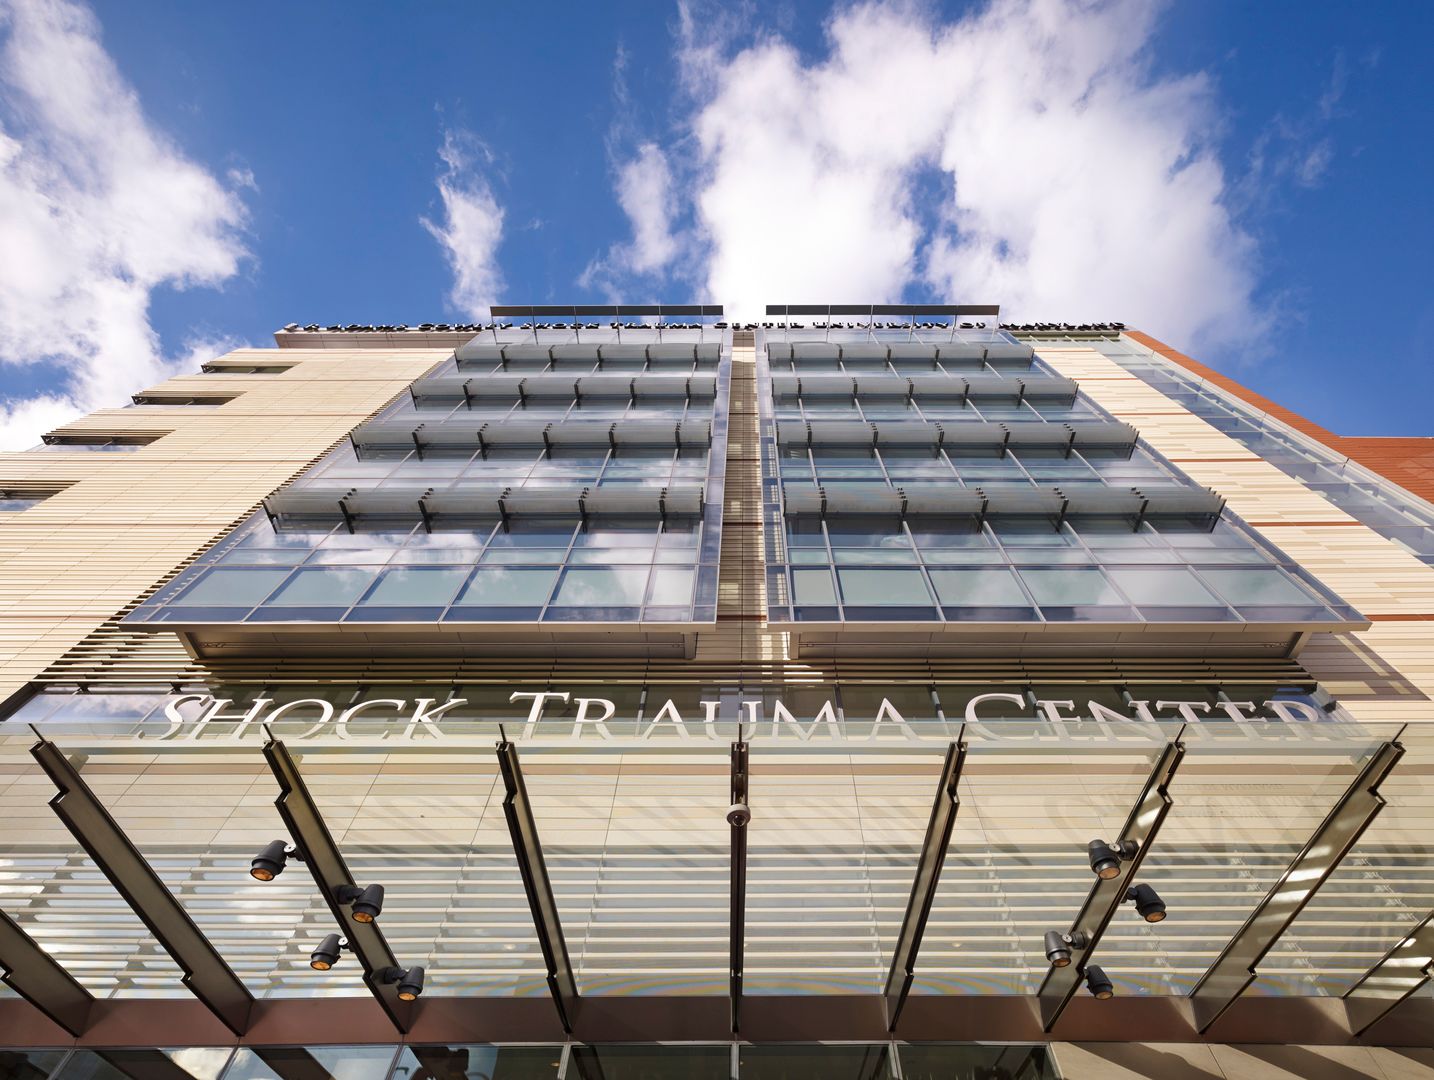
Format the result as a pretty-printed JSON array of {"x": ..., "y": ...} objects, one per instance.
[
  {"x": 1098, "y": 984},
  {"x": 327, "y": 954},
  {"x": 367, "y": 902},
  {"x": 1059, "y": 946},
  {"x": 739, "y": 814},
  {"x": 269, "y": 863},
  {"x": 1147, "y": 902},
  {"x": 1105, "y": 858},
  {"x": 410, "y": 981}
]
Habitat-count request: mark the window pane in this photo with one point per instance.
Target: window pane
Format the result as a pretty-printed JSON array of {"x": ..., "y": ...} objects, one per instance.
[
  {"x": 330, "y": 587},
  {"x": 497, "y": 586},
  {"x": 28, "y": 1064},
  {"x": 201, "y": 1063},
  {"x": 1070, "y": 588},
  {"x": 868, "y": 588},
  {"x": 1172, "y": 586},
  {"x": 604, "y": 587},
  {"x": 978, "y": 588},
  {"x": 417, "y": 588},
  {"x": 1257, "y": 587},
  {"x": 315, "y": 1063},
  {"x": 671, "y": 585},
  {"x": 477, "y": 1062},
  {"x": 814, "y": 587},
  {"x": 232, "y": 588}
]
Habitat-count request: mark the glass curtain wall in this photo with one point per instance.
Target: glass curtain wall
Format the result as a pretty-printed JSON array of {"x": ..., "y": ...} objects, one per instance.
[
  {"x": 960, "y": 479},
  {"x": 545, "y": 476}
]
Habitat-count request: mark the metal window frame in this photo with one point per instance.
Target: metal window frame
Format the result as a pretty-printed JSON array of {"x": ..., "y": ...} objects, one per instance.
[
  {"x": 928, "y": 877},
  {"x": 206, "y": 973},
  {"x": 1233, "y": 971},
  {"x": 1107, "y": 894}
]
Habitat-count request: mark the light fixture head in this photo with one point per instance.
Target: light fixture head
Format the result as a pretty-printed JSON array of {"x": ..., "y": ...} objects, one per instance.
[
  {"x": 1059, "y": 946},
  {"x": 1098, "y": 984},
  {"x": 269, "y": 863},
  {"x": 1105, "y": 858},
  {"x": 367, "y": 903},
  {"x": 1057, "y": 951},
  {"x": 739, "y": 814},
  {"x": 1147, "y": 902},
  {"x": 410, "y": 981},
  {"x": 327, "y": 954}
]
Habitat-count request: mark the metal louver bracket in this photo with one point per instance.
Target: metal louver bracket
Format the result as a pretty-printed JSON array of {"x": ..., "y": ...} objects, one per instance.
[
  {"x": 206, "y": 975},
  {"x": 961, "y": 350},
  {"x": 911, "y": 350},
  {"x": 1397, "y": 976},
  {"x": 523, "y": 828},
  {"x": 923, "y": 887},
  {"x": 1234, "y": 970},
  {"x": 739, "y": 814},
  {"x": 33, "y": 974},
  {"x": 326, "y": 863},
  {"x": 1106, "y": 895}
]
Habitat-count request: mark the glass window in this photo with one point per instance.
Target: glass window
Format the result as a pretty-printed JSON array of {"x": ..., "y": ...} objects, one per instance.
[
  {"x": 1172, "y": 585},
  {"x": 883, "y": 588},
  {"x": 199, "y": 1062},
  {"x": 417, "y": 588},
  {"x": 328, "y": 587},
  {"x": 231, "y": 588},
  {"x": 671, "y": 585},
  {"x": 978, "y": 588},
  {"x": 814, "y": 587},
  {"x": 28, "y": 1064},
  {"x": 1070, "y": 588},
  {"x": 314, "y": 1063},
  {"x": 602, "y": 587},
  {"x": 477, "y": 1062},
  {"x": 499, "y": 586},
  {"x": 1255, "y": 588}
]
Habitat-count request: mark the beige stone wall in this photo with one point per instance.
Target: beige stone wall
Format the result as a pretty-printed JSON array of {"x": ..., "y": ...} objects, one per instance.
[{"x": 126, "y": 519}]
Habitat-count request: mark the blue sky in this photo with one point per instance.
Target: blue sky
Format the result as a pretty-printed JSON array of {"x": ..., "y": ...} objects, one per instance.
[{"x": 1247, "y": 181}]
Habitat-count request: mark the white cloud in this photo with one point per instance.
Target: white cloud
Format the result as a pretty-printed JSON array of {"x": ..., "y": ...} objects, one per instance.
[
  {"x": 1023, "y": 154},
  {"x": 645, "y": 193},
  {"x": 97, "y": 209},
  {"x": 471, "y": 227}
]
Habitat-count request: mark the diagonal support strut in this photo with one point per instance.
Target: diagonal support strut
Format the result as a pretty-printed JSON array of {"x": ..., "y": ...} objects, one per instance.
[
  {"x": 1104, "y": 899},
  {"x": 923, "y": 887},
  {"x": 206, "y": 975},
  {"x": 523, "y": 827},
  {"x": 326, "y": 863},
  {"x": 35, "y": 975},
  {"x": 1234, "y": 970}
]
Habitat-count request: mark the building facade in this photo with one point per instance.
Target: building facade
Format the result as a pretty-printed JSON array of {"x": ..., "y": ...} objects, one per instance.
[{"x": 623, "y": 692}]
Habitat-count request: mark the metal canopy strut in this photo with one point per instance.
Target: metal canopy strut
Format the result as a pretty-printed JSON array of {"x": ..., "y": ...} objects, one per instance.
[
  {"x": 923, "y": 887},
  {"x": 1106, "y": 895},
  {"x": 524, "y": 829},
  {"x": 1402, "y": 971},
  {"x": 326, "y": 863},
  {"x": 33, "y": 974},
  {"x": 738, "y": 816},
  {"x": 206, "y": 975},
  {"x": 1234, "y": 970}
]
